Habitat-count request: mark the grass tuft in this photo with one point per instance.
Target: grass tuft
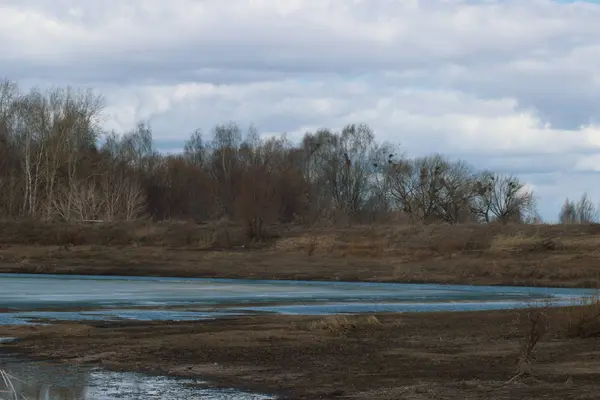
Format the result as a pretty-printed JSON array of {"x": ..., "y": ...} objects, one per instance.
[{"x": 342, "y": 323}]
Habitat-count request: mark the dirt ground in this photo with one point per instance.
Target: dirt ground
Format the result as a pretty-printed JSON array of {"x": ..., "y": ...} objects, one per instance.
[
  {"x": 404, "y": 356},
  {"x": 533, "y": 255}
]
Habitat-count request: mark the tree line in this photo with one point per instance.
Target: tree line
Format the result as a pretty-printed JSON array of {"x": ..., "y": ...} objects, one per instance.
[{"x": 56, "y": 163}]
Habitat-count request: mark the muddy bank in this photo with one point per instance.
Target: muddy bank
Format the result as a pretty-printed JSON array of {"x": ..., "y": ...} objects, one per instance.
[{"x": 413, "y": 356}]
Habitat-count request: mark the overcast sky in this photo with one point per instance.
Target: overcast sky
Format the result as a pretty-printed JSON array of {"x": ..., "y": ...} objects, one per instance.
[{"x": 512, "y": 85}]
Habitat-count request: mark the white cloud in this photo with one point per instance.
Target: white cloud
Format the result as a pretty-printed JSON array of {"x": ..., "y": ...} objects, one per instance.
[{"x": 509, "y": 84}]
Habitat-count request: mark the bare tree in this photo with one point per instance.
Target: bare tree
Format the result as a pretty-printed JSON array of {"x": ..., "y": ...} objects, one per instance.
[
  {"x": 501, "y": 197},
  {"x": 137, "y": 148},
  {"x": 314, "y": 153},
  {"x": 10, "y": 181},
  {"x": 9, "y": 98},
  {"x": 32, "y": 136},
  {"x": 70, "y": 119},
  {"x": 455, "y": 192},
  {"x": 80, "y": 124},
  {"x": 79, "y": 201},
  {"x": 344, "y": 167},
  {"x": 134, "y": 200},
  {"x": 51, "y": 129},
  {"x": 195, "y": 149},
  {"x": 416, "y": 185},
  {"x": 586, "y": 210},
  {"x": 122, "y": 197},
  {"x": 224, "y": 165},
  {"x": 258, "y": 201},
  {"x": 582, "y": 212},
  {"x": 568, "y": 213},
  {"x": 383, "y": 161}
]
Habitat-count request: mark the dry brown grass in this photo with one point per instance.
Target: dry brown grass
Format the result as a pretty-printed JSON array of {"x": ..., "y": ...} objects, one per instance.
[
  {"x": 420, "y": 242},
  {"x": 311, "y": 243},
  {"x": 342, "y": 324},
  {"x": 412, "y": 241},
  {"x": 503, "y": 243},
  {"x": 583, "y": 320},
  {"x": 493, "y": 254},
  {"x": 140, "y": 233},
  {"x": 522, "y": 242}
]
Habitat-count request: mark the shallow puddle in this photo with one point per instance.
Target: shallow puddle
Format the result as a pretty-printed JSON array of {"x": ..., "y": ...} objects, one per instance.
[{"x": 44, "y": 381}]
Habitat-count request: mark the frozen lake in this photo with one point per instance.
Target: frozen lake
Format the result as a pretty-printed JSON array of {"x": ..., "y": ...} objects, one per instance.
[{"x": 26, "y": 298}]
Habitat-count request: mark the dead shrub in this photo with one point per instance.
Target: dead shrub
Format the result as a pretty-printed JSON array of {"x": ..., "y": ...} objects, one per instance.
[
  {"x": 226, "y": 235},
  {"x": 536, "y": 325},
  {"x": 533, "y": 325}
]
